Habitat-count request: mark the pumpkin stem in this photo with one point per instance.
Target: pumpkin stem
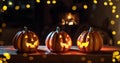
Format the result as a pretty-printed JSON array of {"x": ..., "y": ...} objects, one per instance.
[
  {"x": 57, "y": 28},
  {"x": 25, "y": 28},
  {"x": 90, "y": 29}
]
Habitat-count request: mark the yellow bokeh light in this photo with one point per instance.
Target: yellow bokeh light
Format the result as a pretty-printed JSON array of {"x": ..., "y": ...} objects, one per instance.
[
  {"x": 10, "y": 3},
  {"x": 54, "y": 1},
  {"x": 110, "y": 3},
  {"x": 113, "y": 60},
  {"x": 117, "y": 16},
  {"x": 17, "y": 7},
  {"x": 4, "y": 8},
  {"x": 38, "y": 1},
  {"x": 114, "y": 7},
  {"x": 74, "y": 7},
  {"x": 48, "y": 2},
  {"x": 4, "y": 59},
  {"x": 7, "y": 55},
  {"x": 27, "y": 5},
  {"x": 105, "y": 3},
  {"x": 109, "y": 0},
  {"x": 95, "y": 1},
  {"x": 114, "y": 32},
  {"x": 112, "y": 22},
  {"x": 118, "y": 42},
  {"x": 85, "y": 6},
  {"x": 113, "y": 11}
]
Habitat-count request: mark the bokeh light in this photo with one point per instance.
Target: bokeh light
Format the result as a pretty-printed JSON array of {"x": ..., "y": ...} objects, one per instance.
[
  {"x": 112, "y": 22},
  {"x": 95, "y": 1},
  {"x": 27, "y": 5},
  {"x": 114, "y": 7},
  {"x": 38, "y": 1},
  {"x": 117, "y": 16},
  {"x": 113, "y": 11},
  {"x": 48, "y": 2},
  {"x": 54, "y": 1},
  {"x": 3, "y": 25},
  {"x": 85, "y": 6},
  {"x": 110, "y": 3},
  {"x": 105, "y": 3},
  {"x": 118, "y": 42},
  {"x": 4, "y": 7},
  {"x": 113, "y": 32},
  {"x": 10, "y": 3},
  {"x": 74, "y": 7},
  {"x": 17, "y": 7}
]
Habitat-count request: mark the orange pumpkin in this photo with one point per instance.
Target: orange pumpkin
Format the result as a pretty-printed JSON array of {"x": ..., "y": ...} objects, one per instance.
[
  {"x": 90, "y": 41},
  {"x": 26, "y": 41},
  {"x": 58, "y": 41}
]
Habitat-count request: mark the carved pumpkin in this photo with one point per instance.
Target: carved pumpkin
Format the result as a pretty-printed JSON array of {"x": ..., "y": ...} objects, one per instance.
[
  {"x": 26, "y": 41},
  {"x": 58, "y": 41},
  {"x": 90, "y": 41}
]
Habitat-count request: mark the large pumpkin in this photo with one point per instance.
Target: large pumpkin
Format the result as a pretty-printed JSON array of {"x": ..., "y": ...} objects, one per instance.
[
  {"x": 90, "y": 41},
  {"x": 26, "y": 41},
  {"x": 58, "y": 41}
]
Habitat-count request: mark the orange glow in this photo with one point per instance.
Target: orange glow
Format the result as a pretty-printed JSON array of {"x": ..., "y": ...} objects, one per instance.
[
  {"x": 32, "y": 45},
  {"x": 66, "y": 45},
  {"x": 69, "y": 16},
  {"x": 81, "y": 45}
]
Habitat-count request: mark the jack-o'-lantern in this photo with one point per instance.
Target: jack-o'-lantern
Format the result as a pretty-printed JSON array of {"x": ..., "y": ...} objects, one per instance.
[
  {"x": 26, "y": 41},
  {"x": 58, "y": 41},
  {"x": 90, "y": 41}
]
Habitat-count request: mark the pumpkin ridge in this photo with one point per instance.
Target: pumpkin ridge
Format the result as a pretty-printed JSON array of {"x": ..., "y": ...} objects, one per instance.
[{"x": 48, "y": 41}]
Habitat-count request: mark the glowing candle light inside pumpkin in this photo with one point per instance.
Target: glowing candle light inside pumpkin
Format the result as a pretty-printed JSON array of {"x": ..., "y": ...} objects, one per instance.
[
  {"x": 32, "y": 45},
  {"x": 84, "y": 44}
]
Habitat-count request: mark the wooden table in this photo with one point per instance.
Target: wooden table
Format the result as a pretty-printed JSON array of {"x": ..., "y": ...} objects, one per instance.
[{"x": 44, "y": 56}]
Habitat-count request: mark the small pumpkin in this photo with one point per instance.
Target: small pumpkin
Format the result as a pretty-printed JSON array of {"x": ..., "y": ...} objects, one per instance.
[
  {"x": 26, "y": 41},
  {"x": 58, "y": 41},
  {"x": 90, "y": 41}
]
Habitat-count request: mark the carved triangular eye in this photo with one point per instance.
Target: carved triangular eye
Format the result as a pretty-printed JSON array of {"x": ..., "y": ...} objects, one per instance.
[{"x": 26, "y": 36}]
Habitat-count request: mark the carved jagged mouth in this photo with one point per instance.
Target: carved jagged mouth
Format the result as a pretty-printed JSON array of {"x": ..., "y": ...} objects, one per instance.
[{"x": 32, "y": 45}]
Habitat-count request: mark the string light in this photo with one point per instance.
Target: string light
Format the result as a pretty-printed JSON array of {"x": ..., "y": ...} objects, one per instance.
[
  {"x": 105, "y": 3},
  {"x": 85, "y": 6},
  {"x": 113, "y": 11},
  {"x": 17, "y": 7},
  {"x": 110, "y": 3},
  {"x": 95, "y": 1},
  {"x": 27, "y": 5},
  {"x": 48, "y": 2},
  {"x": 114, "y": 32},
  {"x": 74, "y": 7},
  {"x": 38, "y": 1},
  {"x": 4, "y": 7},
  {"x": 117, "y": 16},
  {"x": 10, "y": 3},
  {"x": 112, "y": 22},
  {"x": 114, "y": 7},
  {"x": 54, "y": 1}
]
